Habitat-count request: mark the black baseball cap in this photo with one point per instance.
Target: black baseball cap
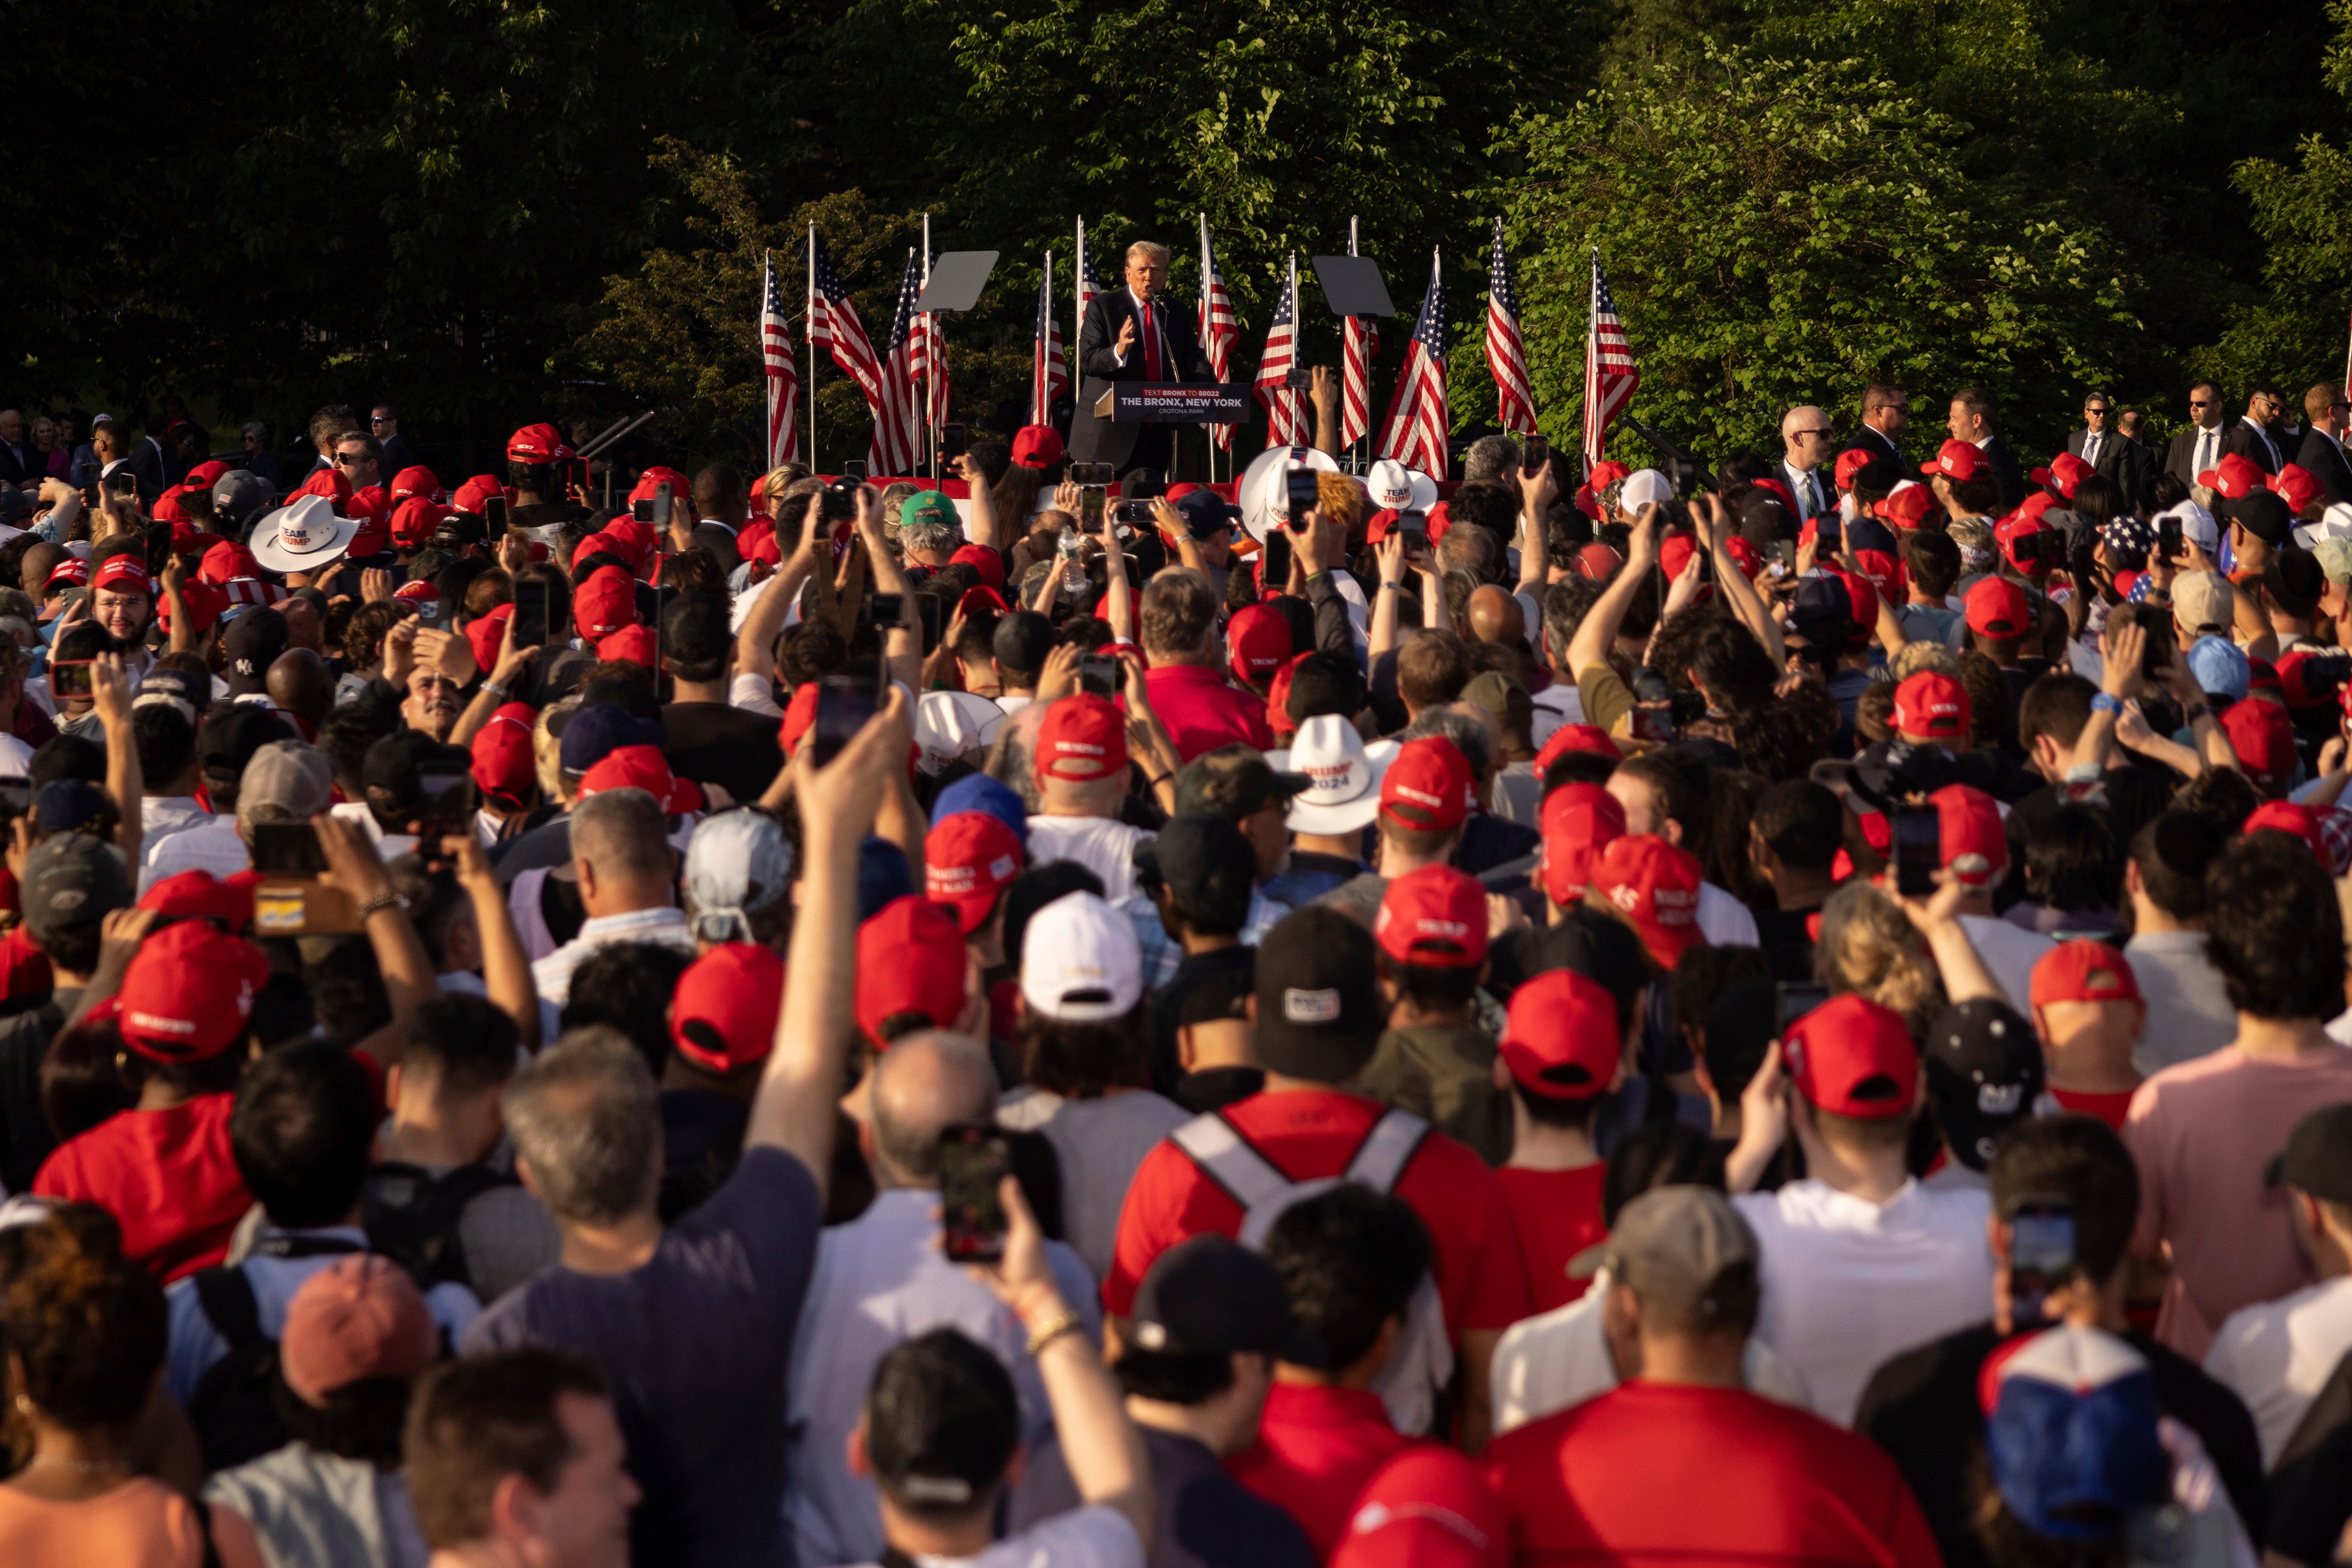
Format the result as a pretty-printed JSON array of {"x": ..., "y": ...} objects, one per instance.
[
  {"x": 72, "y": 881},
  {"x": 1211, "y": 1296},
  {"x": 252, "y": 643},
  {"x": 2317, "y": 1158},
  {"x": 2262, "y": 514},
  {"x": 392, "y": 770},
  {"x": 69, "y": 806},
  {"x": 1023, "y": 640},
  {"x": 941, "y": 1422},
  {"x": 1318, "y": 1014},
  {"x": 1202, "y": 859},
  {"x": 2295, "y": 581},
  {"x": 167, "y": 684},
  {"x": 1235, "y": 781},
  {"x": 1984, "y": 1073},
  {"x": 231, "y": 735}
]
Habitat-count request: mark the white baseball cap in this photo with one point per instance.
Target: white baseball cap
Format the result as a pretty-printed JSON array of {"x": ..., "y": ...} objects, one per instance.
[
  {"x": 304, "y": 537},
  {"x": 2197, "y": 525},
  {"x": 1265, "y": 494},
  {"x": 948, "y": 724},
  {"x": 737, "y": 863},
  {"x": 1346, "y": 792},
  {"x": 1080, "y": 963},
  {"x": 1396, "y": 488},
  {"x": 2335, "y": 522},
  {"x": 1644, "y": 487}
]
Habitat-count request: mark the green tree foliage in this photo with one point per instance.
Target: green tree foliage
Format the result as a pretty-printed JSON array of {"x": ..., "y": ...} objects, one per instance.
[{"x": 1777, "y": 232}]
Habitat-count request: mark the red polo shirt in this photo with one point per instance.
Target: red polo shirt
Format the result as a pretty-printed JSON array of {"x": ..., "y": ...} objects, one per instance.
[
  {"x": 1556, "y": 1214},
  {"x": 1651, "y": 1474},
  {"x": 1200, "y": 710},
  {"x": 167, "y": 1178},
  {"x": 1310, "y": 1133},
  {"x": 1315, "y": 1449}
]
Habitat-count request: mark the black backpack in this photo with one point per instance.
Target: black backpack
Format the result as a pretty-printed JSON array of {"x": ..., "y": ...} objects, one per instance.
[
  {"x": 235, "y": 1407},
  {"x": 419, "y": 1230}
]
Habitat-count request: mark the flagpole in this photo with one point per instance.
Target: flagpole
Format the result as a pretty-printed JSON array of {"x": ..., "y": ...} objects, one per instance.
[
  {"x": 810, "y": 323},
  {"x": 931, "y": 350},
  {"x": 1344, "y": 327},
  {"x": 1591, "y": 361},
  {"x": 1206, "y": 334}
]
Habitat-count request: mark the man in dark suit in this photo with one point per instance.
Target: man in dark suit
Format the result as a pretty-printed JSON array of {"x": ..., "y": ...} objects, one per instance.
[
  {"x": 2250, "y": 436},
  {"x": 2322, "y": 452},
  {"x": 2197, "y": 449},
  {"x": 384, "y": 423},
  {"x": 1885, "y": 415},
  {"x": 1971, "y": 420},
  {"x": 1134, "y": 334},
  {"x": 2109, "y": 453},
  {"x": 20, "y": 463}
]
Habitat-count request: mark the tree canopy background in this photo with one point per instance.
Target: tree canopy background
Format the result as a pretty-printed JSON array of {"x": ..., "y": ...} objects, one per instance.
[{"x": 486, "y": 212}]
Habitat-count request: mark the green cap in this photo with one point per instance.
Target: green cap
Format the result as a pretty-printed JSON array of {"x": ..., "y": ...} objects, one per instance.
[{"x": 928, "y": 507}]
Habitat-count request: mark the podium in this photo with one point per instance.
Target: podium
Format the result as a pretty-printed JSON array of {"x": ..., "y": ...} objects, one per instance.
[{"x": 1174, "y": 403}]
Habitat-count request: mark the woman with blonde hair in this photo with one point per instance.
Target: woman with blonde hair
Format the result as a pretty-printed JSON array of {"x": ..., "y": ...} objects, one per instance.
[{"x": 1869, "y": 946}]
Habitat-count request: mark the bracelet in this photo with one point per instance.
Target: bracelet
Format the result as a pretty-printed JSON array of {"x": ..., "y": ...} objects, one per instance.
[
  {"x": 1388, "y": 587},
  {"x": 495, "y": 690},
  {"x": 1163, "y": 778},
  {"x": 1068, "y": 1322},
  {"x": 2106, "y": 703},
  {"x": 383, "y": 900}
]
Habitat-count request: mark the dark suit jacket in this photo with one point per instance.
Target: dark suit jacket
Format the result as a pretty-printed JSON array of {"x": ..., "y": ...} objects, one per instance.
[
  {"x": 2118, "y": 462},
  {"x": 395, "y": 457},
  {"x": 1875, "y": 443},
  {"x": 1093, "y": 440},
  {"x": 2005, "y": 472},
  {"x": 2324, "y": 458},
  {"x": 2181, "y": 457},
  {"x": 16, "y": 470},
  {"x": 2240, "y": 439}
]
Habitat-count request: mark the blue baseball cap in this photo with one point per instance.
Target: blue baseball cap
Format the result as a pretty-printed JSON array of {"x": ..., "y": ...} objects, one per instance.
[
  {"x": 2220, "y": 666},
  {"x": 977, "y": 792},
  {"x": 883, "y": 876},
  {"x": 2070, "y": 1432},
  {"x": 599, "y": 729}
]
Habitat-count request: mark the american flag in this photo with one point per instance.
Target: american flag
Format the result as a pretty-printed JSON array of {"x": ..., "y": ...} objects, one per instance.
[
  {"x": 1414, "y": 432},
  {"x": 930, "y": 355},
  {"x": 1219, "y": 328},
  {"x": 892, "y": 450},
  {"x": 1359, "y": 340},
  {"x": 1285, "y": 408},
  {"x": 1507, "y": 356},
  {"x": 834, "y": 325},
  {"x": 1609, "y": 374},
  {"x": 1049, "y": 376},
  {"x": 784, "y": 378},
  {"x": 1089, "y": 285}
]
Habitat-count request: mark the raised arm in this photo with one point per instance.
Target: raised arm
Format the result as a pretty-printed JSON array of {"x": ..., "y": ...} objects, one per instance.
[
  {"x": 1597, "y": 634},
  {"x": 1389, "y": 553},
  {"x": 1738, "y": 592},
  {"x": 1536, "y": 496},
  {"x": 1119, "y": 593},
  {"x": 358, "y": 869},
  {"x": 506, "y": 967},
  {"x": 111, "y": 690},
  {"x": 980, "y": 523},
  {"x": 755, "y": 644}
]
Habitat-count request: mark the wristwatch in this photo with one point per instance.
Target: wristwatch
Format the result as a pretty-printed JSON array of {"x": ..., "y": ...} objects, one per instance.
[{"x": 2106, "y": 703}]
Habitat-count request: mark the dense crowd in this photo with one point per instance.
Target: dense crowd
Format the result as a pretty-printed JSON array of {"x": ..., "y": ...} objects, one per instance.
[{"x": 1793, "y": 1014}]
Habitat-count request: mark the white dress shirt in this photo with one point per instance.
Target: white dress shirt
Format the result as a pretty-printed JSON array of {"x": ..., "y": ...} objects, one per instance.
[
  {"x": 2276, "y": 1356},
  {"x": 1811, "y": 503},
  {"x": 2263, "y": 435},
  {"x": 211, "y": 846},
  {"x": 2209, "y": 451},
  {"x": 665, "y": 926},
  {"x": 881, "y": 1280}
]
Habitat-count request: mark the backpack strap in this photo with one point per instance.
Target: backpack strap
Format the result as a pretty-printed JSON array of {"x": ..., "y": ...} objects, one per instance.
[
  {"x": 1227, "y": 1157},
  {"x": 227, "y": 1296},
  {"x": 1381, "y": 1158}
]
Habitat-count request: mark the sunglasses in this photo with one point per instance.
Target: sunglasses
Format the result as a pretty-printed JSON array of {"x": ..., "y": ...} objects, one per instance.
[
  {"x": 350, "y": 460},
  {"x": 379, "y": 419},
  {"x": 2200, "y": 403}
]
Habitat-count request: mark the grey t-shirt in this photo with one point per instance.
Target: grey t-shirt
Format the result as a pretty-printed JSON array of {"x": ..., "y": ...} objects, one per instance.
[{"x": 1100, "y": 1143}]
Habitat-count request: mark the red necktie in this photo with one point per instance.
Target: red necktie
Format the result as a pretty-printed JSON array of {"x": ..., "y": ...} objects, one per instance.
[{"x": 1150, "y": 342}]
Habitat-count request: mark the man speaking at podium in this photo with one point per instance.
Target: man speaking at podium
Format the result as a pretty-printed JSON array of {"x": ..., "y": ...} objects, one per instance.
[{"x": 1135, "y": 333}]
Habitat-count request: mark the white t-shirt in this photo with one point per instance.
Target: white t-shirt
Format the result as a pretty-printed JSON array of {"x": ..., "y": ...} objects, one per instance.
[
  {"x": 1096, "y": 1537},
  {"x": 1560, "y": 1358},
  {"x": 2277, "y": 1354},
  {"x": 1848, "y": 1283},
  {"x": 1103, "y": 845},
  {"x": 1723, "y": 919},
  {"x": 2010, "y": 953}
]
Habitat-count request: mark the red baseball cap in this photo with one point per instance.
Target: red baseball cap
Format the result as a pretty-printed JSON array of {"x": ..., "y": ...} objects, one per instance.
[
  {"x": 188, "y": 993},
  {"x": 1084, "y": 737},
  {"x": 1908, "y": 507},
  {"x": 633, "y": 541},
  {"x": 72, "y": 573},
  {"x": 2064, "y": 472},
  {"x": 968, "y": 858},
  {"x": 371, "y": 507},
  {"x": 414, "y": 519},
  {"x": 1956, "y": 461},
  {"x": 1579, "y": 820},
  {"x": 1428, "y": 785},
  {"x": 205, "y": 605},
  {"x": 1975, "y": 845},
  {"x": 2263, "y": 738},
  {"x": 416, "y": 480},
  {"x": 1575, "y": 738},
  {"x": 1654, "y": 886},
  {"x": 1675, "y": 553},
  {"x": 910, "y": 959},
  {"x": 1436, "y": 917},
  {"x": 200, "y": 895},
  {"x": 1884, "y": 573},
  {"x": 680, "y": 488},
  {"x": 1258, "y": 640},
  {"x": 226, "y": 562},
  {"x": 2293, "y": 484},
  {"x": 2233, "y": 478},
  {"x": 1744, "y": 555},
  {"x": 605, "y": 603},
  {"x": 328, "y": 482},
  {"x": 1561, "y": 1039},
  {"x": 536, "y": 443},
  {"x": 633, "y": 643},
  {"x": 2289, "y": 817},
  {"x": 1037, "y": 447},
  {"x": 1277, "y": 697},
  {"x": 2009, "y": 531},
  {"x": 799, "y": 714},
  {"x": 204, "y": 474},
  {"x": 644, "y": 768},
  {"x": 485, "y": 634},
  {"x": 1849, "y": 464},
  {"x": 723, "y": 1013},
  {"x": 505, "y": 767},
  {"x": 1427, "y": 1508},
  {"x": 1933, "y": 706},
  {"x": 982, "y": 559},
  {"x": 477, "y": 490},
  {"x": 122, "y": 574},
  {"x": 2083, "y": 971},
  {"x": 1850, "y": 1057},
  {"x": 167, "y": 509},
  {"x": 1996, "y": 608}
]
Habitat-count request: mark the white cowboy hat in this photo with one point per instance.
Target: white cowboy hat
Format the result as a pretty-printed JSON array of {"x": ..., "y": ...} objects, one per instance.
[
  {"x": 1263, "y": 489},
  {"x": 306, "y": 536},
  {"x": 1396, "y": 488},
  {"x": 1345, "y": 794}
]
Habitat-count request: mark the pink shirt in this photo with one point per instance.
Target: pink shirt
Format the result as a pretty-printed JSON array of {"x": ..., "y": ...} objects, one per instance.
[
  {"x": 2201, "y": 1134},
  {"x": 1201, "y": 711}
]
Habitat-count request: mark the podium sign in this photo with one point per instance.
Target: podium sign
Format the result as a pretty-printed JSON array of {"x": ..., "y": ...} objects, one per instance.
[{"x": 1180, "y": 403}]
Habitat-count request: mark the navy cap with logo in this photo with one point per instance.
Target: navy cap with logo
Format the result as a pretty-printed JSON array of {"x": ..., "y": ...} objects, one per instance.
[
  {"x": 252, "y": 643},
  {"x": 71, "y": 882},
  {"x": 1984, "y": 1073},
  {"x": 1318, "y": 1013},
  {"x": 1211, "y": 1296}
]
